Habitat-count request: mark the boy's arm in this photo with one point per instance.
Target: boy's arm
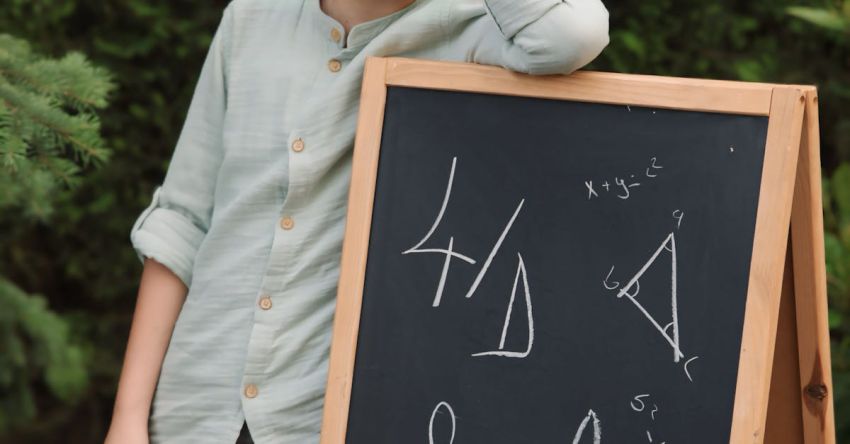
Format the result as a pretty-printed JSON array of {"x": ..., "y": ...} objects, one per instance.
[
  {"x": 531, "y": 36},
  {"x": 166, "y": 237},
  {"x": 160, "y": 298}
]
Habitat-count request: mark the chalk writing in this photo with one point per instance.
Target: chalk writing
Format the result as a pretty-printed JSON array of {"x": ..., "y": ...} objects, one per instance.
[
  {"x": 493, "y": 251},
  {"x": 442, "y": 405},
  {"x": 597, "y": 428},
  {"x": 520, "y": 271},
  {"x": 678, "y": 215},
  {"x": 450, "y": 253},
  {"x": 622, "y": 185},
  {"x": 639, "y": 405},
  {"x": 632, "y": 288}
]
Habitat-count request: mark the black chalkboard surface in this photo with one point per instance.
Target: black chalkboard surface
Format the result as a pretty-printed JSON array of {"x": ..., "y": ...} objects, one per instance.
[
  {"x": 621, "y": 235},
  {"x": 525, "y": 269}
]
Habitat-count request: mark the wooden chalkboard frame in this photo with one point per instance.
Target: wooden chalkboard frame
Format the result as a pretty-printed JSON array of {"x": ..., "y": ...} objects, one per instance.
[{"x": 789, "y": 208}]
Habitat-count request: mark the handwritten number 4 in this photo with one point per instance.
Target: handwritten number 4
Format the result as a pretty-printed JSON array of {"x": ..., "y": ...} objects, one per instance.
[{"x": 449, "y": 252}]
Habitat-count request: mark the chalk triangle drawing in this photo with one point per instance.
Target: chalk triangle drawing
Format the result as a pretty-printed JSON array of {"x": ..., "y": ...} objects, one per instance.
[
  {"x": 669, "y": 331},
  {"x": 520, "y": 273}
]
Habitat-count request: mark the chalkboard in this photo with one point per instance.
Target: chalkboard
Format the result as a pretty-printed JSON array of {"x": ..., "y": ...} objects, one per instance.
[
  {"x": 546, "y": 270},
  {"x": 602, "y": 223}
]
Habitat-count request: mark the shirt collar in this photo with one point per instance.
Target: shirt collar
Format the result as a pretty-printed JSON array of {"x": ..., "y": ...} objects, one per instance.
[{"x": 361, "y": 33}]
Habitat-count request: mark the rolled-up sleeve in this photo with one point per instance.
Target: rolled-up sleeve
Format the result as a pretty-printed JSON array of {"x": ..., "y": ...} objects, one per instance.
[
  {"x": 533, "y": 36},
  {"x": 171, "y": 228}
]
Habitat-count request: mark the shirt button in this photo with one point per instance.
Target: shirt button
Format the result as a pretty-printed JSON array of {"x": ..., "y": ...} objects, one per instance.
[
  {"x": 287, "y": 223},
  {"x": 298, "y": 145},
  {"x": 251, "y": 390},
  {"x": 266, "y": 302},
  {"x": 334, "y": 65},
  {"x": 335, "y": 34}
]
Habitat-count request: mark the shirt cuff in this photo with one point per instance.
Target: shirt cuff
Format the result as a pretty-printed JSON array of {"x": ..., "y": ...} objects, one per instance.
[
  {"x": 513, "y": 15},
  {"x": 168, "y": 237}
]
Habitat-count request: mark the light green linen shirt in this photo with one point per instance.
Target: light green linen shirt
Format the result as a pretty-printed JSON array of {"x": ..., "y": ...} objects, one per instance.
[{"x": 251, "y": 211}]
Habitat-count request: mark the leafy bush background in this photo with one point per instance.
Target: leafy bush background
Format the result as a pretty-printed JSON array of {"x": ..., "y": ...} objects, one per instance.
[{"x": 81, "y": 262}]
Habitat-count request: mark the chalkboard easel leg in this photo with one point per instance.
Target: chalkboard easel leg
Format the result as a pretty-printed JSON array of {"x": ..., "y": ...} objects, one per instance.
[
  {"x": 784, "y": 409},
  {"x": 800, "y": 407},
  {"x": 809, "y": 270}
]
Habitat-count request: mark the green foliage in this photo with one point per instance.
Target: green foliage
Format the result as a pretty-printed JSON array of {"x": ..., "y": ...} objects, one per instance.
[
  {"x": 46, "y": 111},
  {"x": 48, "y": 133},
  {"x": 837, "y": 240},
  {"x": 36, "y": 350},
  {"x": 80, "y": 258},
  {"x": 836, "y": 19},
  {"x": 155, "y": 48}
]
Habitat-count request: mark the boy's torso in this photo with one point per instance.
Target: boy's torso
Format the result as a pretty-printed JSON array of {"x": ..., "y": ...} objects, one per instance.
[{"x": 288, "y": 134}]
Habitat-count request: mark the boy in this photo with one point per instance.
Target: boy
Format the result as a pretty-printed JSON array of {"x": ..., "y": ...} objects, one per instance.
[{"x": 241, "y": 243}]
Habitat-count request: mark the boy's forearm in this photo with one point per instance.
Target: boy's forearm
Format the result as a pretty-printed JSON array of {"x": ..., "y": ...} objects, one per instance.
[
  {"x": 160, "y": 298},
  {"x": 531, "y": 36}
]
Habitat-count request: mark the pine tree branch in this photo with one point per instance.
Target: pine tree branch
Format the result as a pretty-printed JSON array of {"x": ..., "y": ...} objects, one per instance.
[
  {"x": 36, "y": 109},
  {"x": 70, "y": 78},
  {"x": 10, "y": 74},
  {"x": 22, "y": 76}
]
